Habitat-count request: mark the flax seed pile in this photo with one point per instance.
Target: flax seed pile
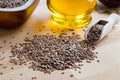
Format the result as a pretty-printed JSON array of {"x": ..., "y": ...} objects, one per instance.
[
  {"x": 12, "y": 3},
  {"x": 47, "y": 53}
]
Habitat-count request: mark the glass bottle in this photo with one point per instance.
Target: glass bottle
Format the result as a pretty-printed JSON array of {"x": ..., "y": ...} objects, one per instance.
[{"x": 71, "y": 13}]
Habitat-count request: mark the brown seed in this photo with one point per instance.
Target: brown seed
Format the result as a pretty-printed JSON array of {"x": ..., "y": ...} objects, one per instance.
[
  {"x": 98, "y": 60},
  {"x": 80, "y": 64},
  {"x": 27, "y": 33},
  {"x": 1, "y": 73},
  {"x": 12, "y": 68},
  {"x": 21, "y": 31},
  {"x": 13, "y": 37},
  {"x": 62, "y": 73},
  {"x": 96, "y": 52},
  {"x": 88, "y": 61},
  {"x": 21, "y": 74},
  {"x": 48, "y": 33},
  {"x": 71, "y": 75},
  {"x": 79, "y": 72},
  {"x": 1, "y": 64},
  {"x": 39, "y": 29},
  {"x": 4, "y": 41},
  {"x": 73, "y": 33},
  {"x": 3, "y": 52},
  {"x": 33, "y": 78},
  {"x": 4, "y": 67},
  {"x": 2, "y": 58},
  {"x": 71, "y": 29},
  {"x": 10, "y": 42}
]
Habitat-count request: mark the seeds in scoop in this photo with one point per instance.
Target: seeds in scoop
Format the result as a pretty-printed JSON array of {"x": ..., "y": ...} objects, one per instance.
[{"x": 95, "y": 32}]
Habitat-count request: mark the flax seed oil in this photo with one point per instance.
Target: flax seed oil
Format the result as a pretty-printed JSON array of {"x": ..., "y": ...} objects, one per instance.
[{"x": 72, "y": 13}]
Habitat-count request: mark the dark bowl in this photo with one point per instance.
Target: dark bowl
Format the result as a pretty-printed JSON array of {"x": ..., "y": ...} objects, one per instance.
[
  {"x": 111, "y": 3},
  {"x": 14, "y": 17}
]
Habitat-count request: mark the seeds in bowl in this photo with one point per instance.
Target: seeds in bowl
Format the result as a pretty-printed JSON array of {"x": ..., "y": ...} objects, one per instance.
[{"x": 12, "y": 3}]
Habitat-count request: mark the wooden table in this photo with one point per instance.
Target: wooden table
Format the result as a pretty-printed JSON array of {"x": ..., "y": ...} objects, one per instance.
[{"x": 108, "y": 48}]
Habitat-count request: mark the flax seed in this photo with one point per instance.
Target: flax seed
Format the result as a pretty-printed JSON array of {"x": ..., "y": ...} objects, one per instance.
[{"x": 47, "y": 53}]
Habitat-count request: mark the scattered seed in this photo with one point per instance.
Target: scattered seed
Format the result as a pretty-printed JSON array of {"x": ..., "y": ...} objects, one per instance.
[
  {"x": 39, "y": 29},
  {"x": 48, "y": 33},
  {"x": 80, "y": 64},
  {"x": 4, "y": 41},
  {"x": 10, "y": 42},
  {"x": 2, "y": 58},
  {"x": 27, "y": 33},
  {"x": 79, "y": 67},
  {"x": 52, "y": 30},
  {"x": 79, "y": 72},
  {"x": 98, "y": 60},
  {"x": 96, "y": 52},
  {"x": 11, "y": 46},
  {"x": 71, "y": 29},
  {"x": 83, "y": 30},
  {"x": 21, "y": 74},
  {"x": 4, "y": 67},
  {"x": 73, "y": 33},
  {"x": 1, "y": 73},
  {"x": 12, "y": 68},
  {"x": 88, "y": 61},
  {"x": 62, "y": 72},
  {"x": 33, "y": 78},
  {"x": 1, "y": 64},
  {"x": 21, "y": 31},
  {"x": 13, "y": 37},
  {"x": 71, "y": 75},
  {"x": 3, "y": 52}
]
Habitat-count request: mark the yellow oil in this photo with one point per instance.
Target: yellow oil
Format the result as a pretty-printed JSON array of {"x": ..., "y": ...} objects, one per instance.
[{"x": 71, "y": 13}]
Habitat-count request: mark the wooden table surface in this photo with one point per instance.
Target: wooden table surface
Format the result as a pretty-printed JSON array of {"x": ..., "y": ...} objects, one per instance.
[{"x": 108, "y": 48}]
